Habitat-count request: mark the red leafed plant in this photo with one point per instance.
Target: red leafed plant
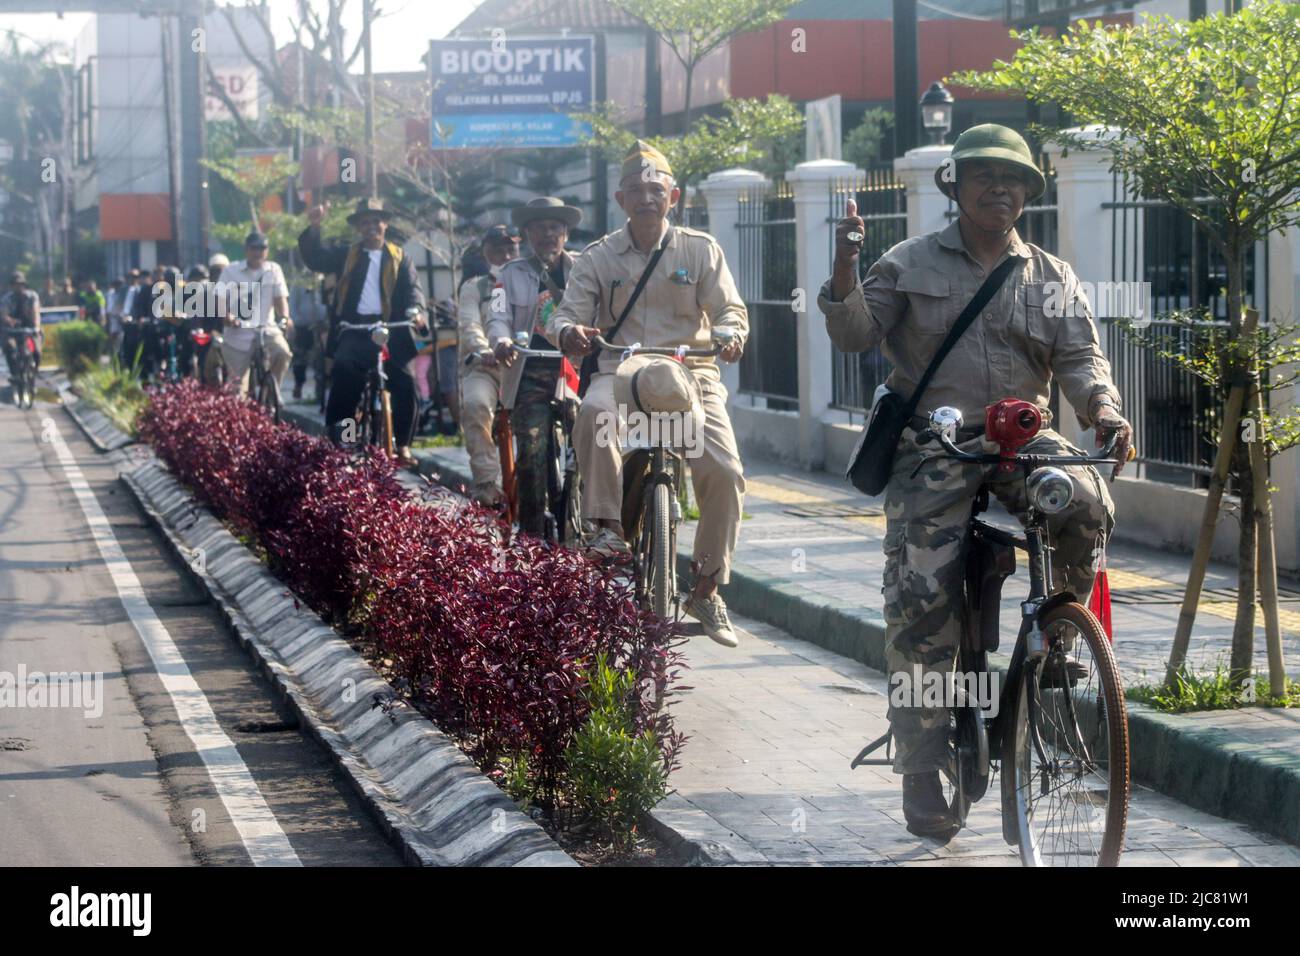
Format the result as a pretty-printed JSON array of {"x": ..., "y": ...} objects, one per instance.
[{"x": 491, "y": 640}]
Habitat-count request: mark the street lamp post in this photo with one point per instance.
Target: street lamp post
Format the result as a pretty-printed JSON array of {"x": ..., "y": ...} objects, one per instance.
[{"x": 936, "y": 112}]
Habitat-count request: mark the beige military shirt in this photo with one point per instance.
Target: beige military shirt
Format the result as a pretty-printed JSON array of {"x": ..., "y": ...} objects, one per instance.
[
  {"x": 690, "y": 293},
  {"x": 1037, "y": 326},
  {"x": 472, "y": 314}
]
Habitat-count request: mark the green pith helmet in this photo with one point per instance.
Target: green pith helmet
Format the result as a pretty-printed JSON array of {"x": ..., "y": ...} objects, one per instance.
[{"x": 994, "y": 142}]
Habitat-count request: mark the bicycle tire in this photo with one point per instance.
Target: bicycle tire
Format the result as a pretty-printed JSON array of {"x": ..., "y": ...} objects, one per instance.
[
  {"x": 28, "y": 375},
  {"x": 1050, "y": 710},
  {"x": 662, "y": 582}
]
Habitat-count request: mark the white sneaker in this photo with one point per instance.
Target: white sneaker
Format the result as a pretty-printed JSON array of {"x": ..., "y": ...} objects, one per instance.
[
  {"x": 606, "y": 543},
  {"x": 712, "y": 613}
]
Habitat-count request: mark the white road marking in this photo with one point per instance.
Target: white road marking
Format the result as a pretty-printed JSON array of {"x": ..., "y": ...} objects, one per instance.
[{"x": 265, "y": 842}]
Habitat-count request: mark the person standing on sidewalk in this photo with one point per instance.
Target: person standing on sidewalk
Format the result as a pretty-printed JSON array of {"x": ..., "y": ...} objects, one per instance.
[
  {"x": 907, "y": 302},
  {"x": 307, "y": 306},
  {"x": 376, "y": 283},
  {"x": 255, "y": 291},
  {"x": 480, "y": 373},
  {"x": 688, "y": 294}
]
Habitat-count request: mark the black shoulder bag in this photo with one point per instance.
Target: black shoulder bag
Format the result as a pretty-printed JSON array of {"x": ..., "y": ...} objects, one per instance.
[
  {"x": 872, "y": 460},
  {"x": 590, "y": 362}
]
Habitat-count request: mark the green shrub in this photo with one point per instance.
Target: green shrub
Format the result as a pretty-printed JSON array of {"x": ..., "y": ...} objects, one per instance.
[
  {"x": 78, "y": 345},
  {"x": 115, "y": 391},
  {"x": 615, "y": 776}
]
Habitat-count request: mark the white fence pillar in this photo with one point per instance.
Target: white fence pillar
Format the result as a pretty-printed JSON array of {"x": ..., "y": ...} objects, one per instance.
[
  {"x": 722, "y": 192},
  {"x": 811, "y": 182},
  {"x": 926, "y": 207},
  {"x": 1083, "y": 229}
]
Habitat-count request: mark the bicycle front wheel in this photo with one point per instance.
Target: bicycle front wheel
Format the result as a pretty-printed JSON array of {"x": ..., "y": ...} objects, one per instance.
[
  {"x": 29, "y": 383},
  {"x": 1066, "y": 757},
  {"x": 661, "y": 580}
]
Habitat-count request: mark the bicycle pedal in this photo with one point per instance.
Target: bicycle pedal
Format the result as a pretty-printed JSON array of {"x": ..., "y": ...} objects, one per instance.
[
  {"x": 689, "y": 627},
  {"x": 1054, "y": 678}
]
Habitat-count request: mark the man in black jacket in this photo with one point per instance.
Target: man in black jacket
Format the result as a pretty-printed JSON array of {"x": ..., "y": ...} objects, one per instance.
[{"x": 376, "y": 282}]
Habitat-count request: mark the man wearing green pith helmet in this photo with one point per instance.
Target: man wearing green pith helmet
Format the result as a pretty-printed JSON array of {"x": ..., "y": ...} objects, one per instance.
[{"x": 905, "y": 305}]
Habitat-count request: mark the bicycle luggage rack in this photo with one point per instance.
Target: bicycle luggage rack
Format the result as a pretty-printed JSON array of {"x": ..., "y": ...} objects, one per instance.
[{"x": 887, "y": 761}]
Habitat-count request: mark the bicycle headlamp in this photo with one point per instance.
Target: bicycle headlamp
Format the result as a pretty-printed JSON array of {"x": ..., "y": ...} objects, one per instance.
[{"x": 1050, "y": 490}]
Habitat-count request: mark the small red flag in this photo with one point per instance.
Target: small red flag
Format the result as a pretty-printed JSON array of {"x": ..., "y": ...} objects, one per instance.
[{"x": 1099, "y": 603}]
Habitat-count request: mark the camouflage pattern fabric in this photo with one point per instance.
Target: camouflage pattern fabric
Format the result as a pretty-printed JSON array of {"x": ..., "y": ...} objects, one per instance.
[
  {"x": 927, "y": 524},
  {"x": 531, "y": 419}
]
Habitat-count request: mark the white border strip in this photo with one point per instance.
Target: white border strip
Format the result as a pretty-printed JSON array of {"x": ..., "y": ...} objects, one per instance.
[{"x": 265, "y": 842}]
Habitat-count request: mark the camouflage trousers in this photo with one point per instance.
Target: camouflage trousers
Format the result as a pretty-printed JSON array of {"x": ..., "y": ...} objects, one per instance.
[
  {"x": 927, "y": 531},
  {"x": 531, "y": 420}
]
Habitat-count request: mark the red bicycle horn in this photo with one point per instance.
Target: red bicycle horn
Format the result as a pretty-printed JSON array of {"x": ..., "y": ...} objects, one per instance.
[{"x": 1011, "y": 423}]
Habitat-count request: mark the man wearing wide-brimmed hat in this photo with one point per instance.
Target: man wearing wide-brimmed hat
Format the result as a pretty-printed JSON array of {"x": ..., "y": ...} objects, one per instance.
[
  {"x": 906, "y": 304},
  {"x": 480, "y": 373},
  {"x": 376, "y": 283},
  {"x": 532, "y": 288},
  {"x": 688, "y": 294}
]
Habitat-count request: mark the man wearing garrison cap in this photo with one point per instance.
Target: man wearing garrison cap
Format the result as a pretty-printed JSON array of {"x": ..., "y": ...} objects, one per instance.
[{"x": 688, "y": 295}]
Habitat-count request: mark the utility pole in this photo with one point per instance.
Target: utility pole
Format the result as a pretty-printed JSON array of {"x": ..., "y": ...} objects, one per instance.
[
  {"x": 906, "y": 85},
  {"x": 372, "y": 171},
  {"x": 168, "y": 75}
]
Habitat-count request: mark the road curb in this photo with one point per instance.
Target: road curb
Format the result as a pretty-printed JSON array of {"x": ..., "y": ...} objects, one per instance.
[
  {"x": 1203, "y": 768},
  {"x": 429, "y": 798},
  {"x": 98, "y": 428}
]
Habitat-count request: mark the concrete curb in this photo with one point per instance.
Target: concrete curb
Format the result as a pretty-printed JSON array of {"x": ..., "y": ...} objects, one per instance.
[
  {"x": 428, "y": 797},
  {"x": 1203, "y": 768},
  {"x": 98, "y": 428}
]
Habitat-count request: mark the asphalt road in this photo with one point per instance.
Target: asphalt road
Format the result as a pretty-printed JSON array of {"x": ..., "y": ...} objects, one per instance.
[{"x": 114, "y": 778}]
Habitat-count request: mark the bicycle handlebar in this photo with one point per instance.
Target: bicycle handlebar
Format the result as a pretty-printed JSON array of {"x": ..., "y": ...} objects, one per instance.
[
  {"x": 1102, "y": 456},
  {"x": 25, "y": 330},
  {"x": 371, "y": 326},
  {"x": 638, "y": 349}
]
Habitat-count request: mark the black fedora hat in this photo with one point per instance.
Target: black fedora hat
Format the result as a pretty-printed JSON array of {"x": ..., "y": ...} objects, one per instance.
[{"x": 369, "y": 207}]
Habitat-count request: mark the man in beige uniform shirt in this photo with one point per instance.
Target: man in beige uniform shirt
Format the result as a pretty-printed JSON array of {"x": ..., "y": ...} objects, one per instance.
[
  {"x": 690, "y": 293},
  {"x": 480, "y": 373},
  {"x": 1038, "y": 326}
]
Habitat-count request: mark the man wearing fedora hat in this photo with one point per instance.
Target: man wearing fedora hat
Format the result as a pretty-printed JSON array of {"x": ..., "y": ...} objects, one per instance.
[
  {"x": 532, "y": 288},
  {"x": 376, "y": 283},
  {"x": 687, "y": 294},
  {"x": 906, "y": 304}
]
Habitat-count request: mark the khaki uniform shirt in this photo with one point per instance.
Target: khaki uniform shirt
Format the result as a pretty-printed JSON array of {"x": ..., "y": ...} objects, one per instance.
[
  {"x": 1039, "y": 324},
  {"x": 690, "y": 293},
  {"x": 472, "y": 315}
]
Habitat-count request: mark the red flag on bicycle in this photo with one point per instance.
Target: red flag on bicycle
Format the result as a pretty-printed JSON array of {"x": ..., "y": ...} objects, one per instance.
[
  {"x": 1099, "y": 603},
  {"x": 567, "y": 387}
]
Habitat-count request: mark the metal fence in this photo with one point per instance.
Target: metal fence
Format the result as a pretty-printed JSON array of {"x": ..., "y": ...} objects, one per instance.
[
  {"x": 695, "y": 212},
  {"x": 1174, "y": 414},
  {"x": 882, "y": 204},
  {"x": 767, "y": 278}
]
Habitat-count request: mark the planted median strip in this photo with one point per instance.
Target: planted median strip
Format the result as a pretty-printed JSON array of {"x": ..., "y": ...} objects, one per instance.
[{"x": 497, "y": 643}]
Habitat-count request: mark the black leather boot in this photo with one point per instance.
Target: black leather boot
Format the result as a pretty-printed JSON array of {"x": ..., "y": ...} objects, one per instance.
[{"x": 924, "y": 808}]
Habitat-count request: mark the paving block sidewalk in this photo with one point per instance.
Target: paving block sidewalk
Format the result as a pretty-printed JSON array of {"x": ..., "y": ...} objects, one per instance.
[{"x": 773, "y": 725}]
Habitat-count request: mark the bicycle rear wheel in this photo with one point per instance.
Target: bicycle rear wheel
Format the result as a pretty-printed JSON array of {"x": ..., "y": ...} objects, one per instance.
[{"x": 1066, "y": 754}]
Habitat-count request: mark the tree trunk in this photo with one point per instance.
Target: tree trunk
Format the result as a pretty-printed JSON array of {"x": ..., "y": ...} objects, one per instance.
[
  {"x": 1266, "y": 549},
  {"x": 1243, "y": 629}
]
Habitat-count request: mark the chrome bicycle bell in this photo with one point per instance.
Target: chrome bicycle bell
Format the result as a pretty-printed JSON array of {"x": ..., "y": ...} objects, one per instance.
[
  {"x": 379, "y": 336},
  {"x": 946, "y": 420}
]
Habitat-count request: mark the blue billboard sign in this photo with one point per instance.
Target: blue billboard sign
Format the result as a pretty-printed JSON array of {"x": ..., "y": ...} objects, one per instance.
[{"x": 516, "y": 92}]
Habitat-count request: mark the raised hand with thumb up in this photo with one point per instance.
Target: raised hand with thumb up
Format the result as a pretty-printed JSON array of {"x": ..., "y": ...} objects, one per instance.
[{"x": 849, "y": 233}]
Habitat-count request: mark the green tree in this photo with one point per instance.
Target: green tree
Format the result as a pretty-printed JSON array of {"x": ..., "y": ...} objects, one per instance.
[
  {"x": 693, "y": 29},
  {"x": 1208, "y": 108},
  {"x": 862, "y": 144},
  {"x": 764, "y": 134}
]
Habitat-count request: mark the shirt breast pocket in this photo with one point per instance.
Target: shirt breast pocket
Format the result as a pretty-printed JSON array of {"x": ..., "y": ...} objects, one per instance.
[
  {"x": 928, "y": 294},
  {"x": 1039, "y": 318},
  {"x": 685, "y": 302}
]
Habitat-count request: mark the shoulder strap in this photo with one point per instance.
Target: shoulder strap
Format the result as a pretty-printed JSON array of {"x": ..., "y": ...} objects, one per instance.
[
  {"x": 640, "y": 285},
  {"x": 964, "y": 321}
]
